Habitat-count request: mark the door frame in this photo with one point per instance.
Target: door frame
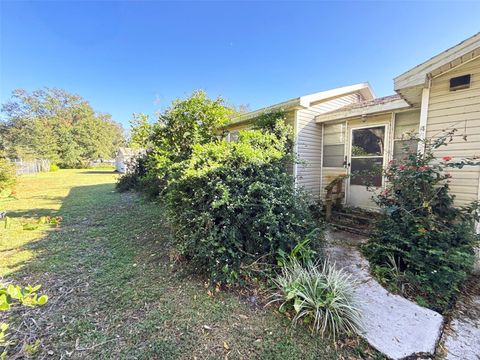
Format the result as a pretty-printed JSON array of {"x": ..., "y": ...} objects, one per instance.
[{"x": 349, "y": 154}]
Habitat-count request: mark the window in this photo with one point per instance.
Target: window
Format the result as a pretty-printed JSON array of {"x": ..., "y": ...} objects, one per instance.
[
  {"x": 368, "y": 148},
  {"x": 406, "y": 127},
  {"x": 460, "y": 82},
  {"x": 333, "y": 145},
  {"x": 232, "y": 136}
]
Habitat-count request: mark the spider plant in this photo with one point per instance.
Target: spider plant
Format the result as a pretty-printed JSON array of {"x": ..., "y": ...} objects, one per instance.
[{"x": 320, "y": 295}]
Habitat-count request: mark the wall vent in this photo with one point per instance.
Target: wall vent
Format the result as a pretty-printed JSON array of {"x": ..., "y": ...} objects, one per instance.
[{"x": 460, "y": 82}]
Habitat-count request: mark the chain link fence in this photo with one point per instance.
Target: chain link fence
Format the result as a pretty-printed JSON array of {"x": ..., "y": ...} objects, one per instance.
[{"x": 31, "y": 166}]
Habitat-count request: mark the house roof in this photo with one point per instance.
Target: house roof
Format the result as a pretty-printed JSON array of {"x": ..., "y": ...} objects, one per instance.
[
  {"x": 130, "y": 151},
  {"x": 446, "y": 60},
  {"x": 367, "y": 107},
  {"x": 307, "y": 100}
]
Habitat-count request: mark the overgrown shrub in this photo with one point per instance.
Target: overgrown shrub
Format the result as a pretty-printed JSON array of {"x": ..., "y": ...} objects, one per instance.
[
  {"x": 7, "y": 175},
  {"x": 319, "y": 295},
  {"x": 421, "y": 243},
  {"x": 234, "y": 205}
]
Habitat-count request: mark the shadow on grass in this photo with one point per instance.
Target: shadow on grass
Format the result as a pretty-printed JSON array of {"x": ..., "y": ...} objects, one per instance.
[
  {"x": 105, "y": 171},
  {"x": 31, "y": 213},
  {"x": 114, "y": 293},
  {"x": 38, "y": 239}
]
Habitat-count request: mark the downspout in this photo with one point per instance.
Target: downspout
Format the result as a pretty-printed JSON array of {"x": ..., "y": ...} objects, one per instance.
[{"x": 422, "y": 131}]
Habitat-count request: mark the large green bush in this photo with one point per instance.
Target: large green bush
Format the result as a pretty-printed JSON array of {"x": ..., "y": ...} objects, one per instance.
[
  {"x": 234, "y": 205},
  {"x": 7, "y": 175},
  {"x": 422, "y": 244}
]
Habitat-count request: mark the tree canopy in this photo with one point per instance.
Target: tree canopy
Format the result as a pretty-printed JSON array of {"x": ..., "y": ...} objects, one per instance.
[
  {"x": 54, "y": 124},
  {"x": 141, "y": 131}
]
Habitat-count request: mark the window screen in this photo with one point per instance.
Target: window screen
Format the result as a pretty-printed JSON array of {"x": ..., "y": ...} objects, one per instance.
[{"x": 333, "y": 145}]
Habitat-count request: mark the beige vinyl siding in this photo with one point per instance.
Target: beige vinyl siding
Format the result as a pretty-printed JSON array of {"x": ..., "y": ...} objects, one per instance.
[
  {"x": 309, "y": 142},
  {"x": 458, "y": 109},
  {"x": 406, "y": 125}
]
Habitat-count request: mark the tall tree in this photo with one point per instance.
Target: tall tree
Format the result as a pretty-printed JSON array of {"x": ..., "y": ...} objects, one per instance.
[
  {"x": 56, "y": 125},
  {"x": 141, "y": 131}
]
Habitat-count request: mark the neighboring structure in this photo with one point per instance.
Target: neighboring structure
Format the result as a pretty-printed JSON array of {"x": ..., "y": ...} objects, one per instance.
[
  {"x": 347, "y": 129},
  {"x": 124, "y": 157}
]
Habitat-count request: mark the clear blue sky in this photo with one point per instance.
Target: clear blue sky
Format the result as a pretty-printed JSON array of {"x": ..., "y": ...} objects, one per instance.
[{"x": 129, "y": 57}]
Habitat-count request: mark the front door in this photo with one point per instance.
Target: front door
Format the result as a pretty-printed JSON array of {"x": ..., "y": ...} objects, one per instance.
[{"x": 366, "y": 161}]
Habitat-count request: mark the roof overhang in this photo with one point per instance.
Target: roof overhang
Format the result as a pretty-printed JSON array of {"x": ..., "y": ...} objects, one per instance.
[
  {"x": 395, "y": 105},
  {"x": 410, "y": 84},
  {"x": 306, "y": 101}
]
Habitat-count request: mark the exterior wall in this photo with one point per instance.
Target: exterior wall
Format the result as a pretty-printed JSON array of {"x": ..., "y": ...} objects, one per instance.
[
  {"x": 389, "y": 118},
  {"x": 458, "y": 109},
  {"x": 309, "y": 142},
  {"x": 330, "y": 173},
  {"x": 120, "y": 163},
  {"x": 238, "y": 127}
]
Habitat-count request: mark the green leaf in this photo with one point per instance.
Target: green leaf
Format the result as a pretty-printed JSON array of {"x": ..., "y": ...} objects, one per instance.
[
  {"x": 42, "y": 300},
  {"x": 297, "y": 305},
  {"x": 4, "y": 304}
]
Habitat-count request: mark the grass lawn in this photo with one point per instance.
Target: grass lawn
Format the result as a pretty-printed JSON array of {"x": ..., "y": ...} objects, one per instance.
[{"x": 114, "y": 291}]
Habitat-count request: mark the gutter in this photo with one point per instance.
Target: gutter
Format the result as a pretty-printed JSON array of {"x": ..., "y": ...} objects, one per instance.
[{"x": 286, "y": 105}]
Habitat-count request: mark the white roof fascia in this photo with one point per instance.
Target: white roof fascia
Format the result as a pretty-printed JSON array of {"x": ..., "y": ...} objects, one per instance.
[
  {"x": 305, "y": 101},
  {"x": 466, "y": 50},
  {"x": 358, "y": 112},
  {"x": 364, "y": 88}
]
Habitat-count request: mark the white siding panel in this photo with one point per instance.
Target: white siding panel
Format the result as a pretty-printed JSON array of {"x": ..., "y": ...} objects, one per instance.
[
  {"x": 309, "y": 142},
  {"x": 461, "y": 110}
]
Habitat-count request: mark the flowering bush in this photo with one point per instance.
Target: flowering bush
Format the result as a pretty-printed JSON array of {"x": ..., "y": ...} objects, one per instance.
[{"x": 422, "y": 242}]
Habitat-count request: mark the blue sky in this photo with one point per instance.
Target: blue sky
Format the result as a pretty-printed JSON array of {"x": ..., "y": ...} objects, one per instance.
[{"x": 129, "y": 57}]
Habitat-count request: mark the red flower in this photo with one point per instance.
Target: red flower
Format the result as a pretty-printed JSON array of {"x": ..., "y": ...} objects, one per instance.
[
  {"x": 448, "y": 175},
  {"x": 422, "y": 168},
  {"x": 402, "y": 167},
  {"x": 447, "y": 158}
]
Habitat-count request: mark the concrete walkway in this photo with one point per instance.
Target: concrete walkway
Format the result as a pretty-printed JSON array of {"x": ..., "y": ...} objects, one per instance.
[
  {"x": 461, "y": 339},
  {"x": 392, "y": 324}
]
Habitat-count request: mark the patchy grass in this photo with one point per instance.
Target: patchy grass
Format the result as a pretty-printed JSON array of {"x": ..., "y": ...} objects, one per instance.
[{"x": 115, "y": 293}]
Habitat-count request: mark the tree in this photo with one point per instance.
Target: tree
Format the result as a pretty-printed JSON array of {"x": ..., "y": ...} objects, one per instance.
[
  {"x": 195, "y": 120},
  {"x": 141, "y": 131},
  {"x": 56, "y": 125}
]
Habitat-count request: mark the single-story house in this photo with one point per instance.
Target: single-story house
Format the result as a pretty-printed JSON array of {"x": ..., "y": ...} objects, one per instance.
[
  {"x": 124, "y": 156},
  {"x": 349, "y": 129}
]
